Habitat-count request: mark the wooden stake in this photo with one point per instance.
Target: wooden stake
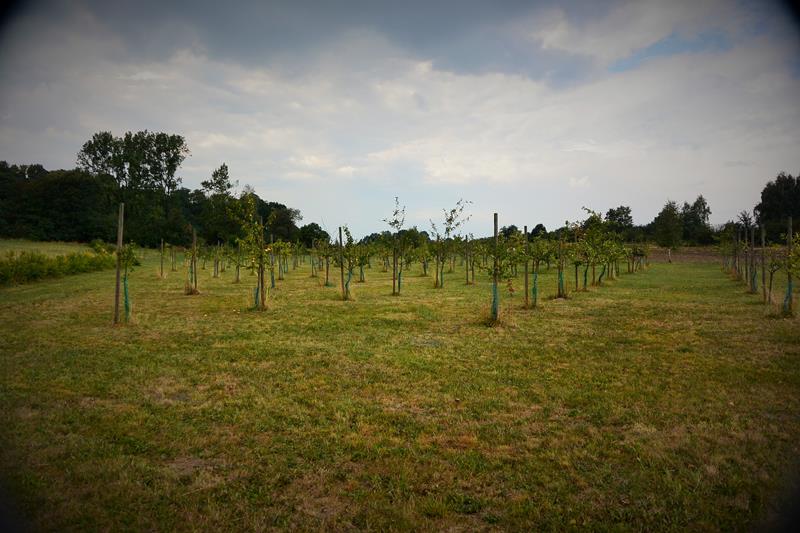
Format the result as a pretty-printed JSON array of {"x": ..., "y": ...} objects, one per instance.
[
  {"x": 789, "y": 292},
  {"x": 527, "y": 297},
  {"x": 341, "y": 263},
  {"x": 120, "y": 223},
  {"x": 495, "y": 295},
  {"x": 764, "y": 262},
  {"x": 194, "y": 259},
  {"x": 466, "y": 259},
  {"x": 753, "y": 271},
  {"x": 262, "y": 296}
]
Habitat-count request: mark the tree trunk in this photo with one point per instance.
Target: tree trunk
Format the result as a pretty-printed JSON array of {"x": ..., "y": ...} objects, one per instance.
[{"x": 394, "y": 268}]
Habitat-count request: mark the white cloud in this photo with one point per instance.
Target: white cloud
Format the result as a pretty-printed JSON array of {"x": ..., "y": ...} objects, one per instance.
[
  {"x": 579, "y": 183},
  {"x": 364, "y": 120},
  {"x": 630, "y": 26}
]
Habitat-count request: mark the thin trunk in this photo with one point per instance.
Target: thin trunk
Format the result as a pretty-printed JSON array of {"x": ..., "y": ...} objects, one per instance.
[{"x": 394, "y": 267}]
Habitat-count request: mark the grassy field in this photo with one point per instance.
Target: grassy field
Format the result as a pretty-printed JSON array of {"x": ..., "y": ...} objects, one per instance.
[
  {"x": 47, "y": 248},
  {"x": 665, "y": 400}
]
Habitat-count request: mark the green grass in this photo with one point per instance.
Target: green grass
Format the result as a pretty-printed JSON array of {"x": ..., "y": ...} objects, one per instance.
[
  {"x": 47, "y": 248},
  {"x": 665, "y": 400}
]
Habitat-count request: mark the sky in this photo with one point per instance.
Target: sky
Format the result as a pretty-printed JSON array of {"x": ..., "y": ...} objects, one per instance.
[{"x": 532, "y": 110}]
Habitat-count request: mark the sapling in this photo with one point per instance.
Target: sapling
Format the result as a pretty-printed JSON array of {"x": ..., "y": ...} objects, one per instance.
[
  {"x": 255, "y": 249},
  {"x": 775, "y": 261},
  {"x": 362, "y": 259},
  {"x": 396, "y": 221},
  {"x": 128, "y": 261},
  {"x": 423, "y": 253},
  {"x": 191, "y": 258},
  {"x": 538, "y": 251},
  {"x": 505, "y": 253},
  {"x": 234, "y": 255},
  {"x": 347, "y": 259},
  {"x": 326, "y": 252},
  {"x": 453, "y": 219}
]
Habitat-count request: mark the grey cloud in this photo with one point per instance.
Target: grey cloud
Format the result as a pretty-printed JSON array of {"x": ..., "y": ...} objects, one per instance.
[{"x": 465, "y": 36}]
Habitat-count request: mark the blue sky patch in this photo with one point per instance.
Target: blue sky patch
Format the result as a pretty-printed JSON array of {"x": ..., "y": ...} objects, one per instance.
[{"x": 673, "y": 45}]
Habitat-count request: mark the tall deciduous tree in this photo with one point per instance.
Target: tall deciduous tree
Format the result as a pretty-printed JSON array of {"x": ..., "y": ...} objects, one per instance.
[
  {"x": 696, "y": 229},
  {"x": 780, "y": 199},
  {"x": 668, "y": 227},
  {"x": 620, "y": 220},
  {"x": 312, "y": 232}
]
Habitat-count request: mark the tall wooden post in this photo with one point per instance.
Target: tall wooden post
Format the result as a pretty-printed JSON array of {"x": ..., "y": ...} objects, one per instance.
[
  {"x": 194, "y": 259},
  {"x": 495, "y": 295},
  {"x": 162, "y": 258},
  {"x": 753, "y": 271},
  {"x": 764, "y": 262},
  {"x": 788, "y": 304},
  {"x": 466, "y": 259},
  {"x": 120, "y": 222},
  {"x": 341, "y": 263},
  {"x": 527, "y": 297},
  {"x": 262, "y": 288}
]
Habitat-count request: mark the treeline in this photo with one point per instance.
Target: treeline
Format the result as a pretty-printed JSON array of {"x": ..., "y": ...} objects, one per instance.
[{"x": 140, "y": 170}]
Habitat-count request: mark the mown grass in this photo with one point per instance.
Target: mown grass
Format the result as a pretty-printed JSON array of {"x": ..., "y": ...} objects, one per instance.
[
  {"x": 665, "y": 400},
  {"x": 47, "y": 248}
]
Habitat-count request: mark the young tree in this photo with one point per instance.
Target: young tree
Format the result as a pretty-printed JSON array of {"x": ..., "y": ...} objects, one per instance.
[
  {"x": 442, "y": 245},
  {"x": 326, "y": 251},
  {"x": 191, "y": 283},
  {"x": 775, "y": 261},
  {"x": 396, "y": 222},
  {"x": 347, "y": 259},
  {"x": 128, "y": 260},
  {"x": 253, "y": 245}
]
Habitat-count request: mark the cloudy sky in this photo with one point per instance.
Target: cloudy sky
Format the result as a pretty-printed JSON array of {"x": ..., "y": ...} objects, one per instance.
[{"x": 530, "y": 109}]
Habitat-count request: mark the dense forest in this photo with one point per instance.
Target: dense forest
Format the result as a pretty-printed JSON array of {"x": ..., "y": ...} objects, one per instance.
[{"x": 141, "y": 170}]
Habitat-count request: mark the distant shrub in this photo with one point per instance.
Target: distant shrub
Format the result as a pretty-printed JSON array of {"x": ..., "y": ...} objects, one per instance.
[
  {"x": 24, "y": 267},
  {"x": 99, "y": 246}
]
